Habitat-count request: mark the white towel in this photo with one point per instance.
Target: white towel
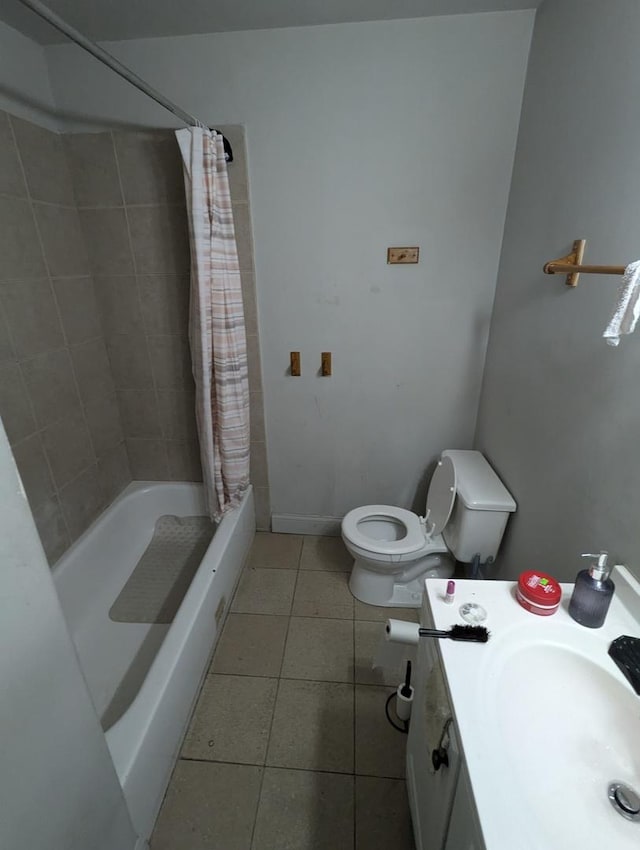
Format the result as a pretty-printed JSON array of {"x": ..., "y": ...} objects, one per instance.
[{"x": 627, "y": 310}]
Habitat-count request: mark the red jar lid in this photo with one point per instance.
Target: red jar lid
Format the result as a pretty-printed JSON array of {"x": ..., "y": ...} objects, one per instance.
[{"x": 539, "y": 588}]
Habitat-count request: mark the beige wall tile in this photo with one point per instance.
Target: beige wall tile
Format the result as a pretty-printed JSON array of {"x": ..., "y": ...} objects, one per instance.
[
  {"x": 160, "y": 239},
  {"x": 107, "y": 241},
  {"x": 253, "y": 359},
  {"x": 69, "y": 450},
  {"x": 256, "y": 414},
  {"x": 6, "y": 344},
  {"x": 184, "y": 460},
  {"x": 114, "y": 472},
  {"x": 82, "y": 500},
  {"x": 34, "y": 470},
  {"x": 78, "y": 309},
  {"x": 150, "y": 167},
  {"x": 250, "y": 307},
  {"x": 237, "y": 170},
  {"x": 32, "y": 317},
  {"x": 139, "y": 413},
  {"x": 244, "y": 239},
  {"x": 119, "y": 302},
  {"x": 44, "y": 163},
  {"x": 147, "y": 459},
  {"x": 263, "y": 508},
  {"x": 20, "y": 253},
  {"x": 170, "y": 361},
  {"x": 62, "y": 240},
  {"x": 130, "y": 363},
  {"x": 177, "y": 414},
  {"x": 15, "y": 405},
  {"x": 93, "y": 169},
  {"x": 165, "y": 303},
  {"x": 103, "y": 420},
  {"x": 11, "y": 179},
  {"x": 259, "y": 473},
  {"x": 92, "y": 369},
  {"x": 51, "y": 385}
]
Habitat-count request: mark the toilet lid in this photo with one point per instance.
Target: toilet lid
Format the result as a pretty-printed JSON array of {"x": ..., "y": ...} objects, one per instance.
[{"x": 441, "y": 495}]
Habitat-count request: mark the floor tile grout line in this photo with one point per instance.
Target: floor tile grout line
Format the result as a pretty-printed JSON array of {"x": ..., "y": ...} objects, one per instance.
[
  {"x": 279, "y": 678},
  {"x": 266, "y": 767}
]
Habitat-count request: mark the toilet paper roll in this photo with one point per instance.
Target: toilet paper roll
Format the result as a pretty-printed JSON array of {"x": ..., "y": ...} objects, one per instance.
[{"x": 397, "y": 631}]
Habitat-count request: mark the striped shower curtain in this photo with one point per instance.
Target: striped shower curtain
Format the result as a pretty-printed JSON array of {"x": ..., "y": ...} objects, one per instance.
[{"x": 216, "y": 322}]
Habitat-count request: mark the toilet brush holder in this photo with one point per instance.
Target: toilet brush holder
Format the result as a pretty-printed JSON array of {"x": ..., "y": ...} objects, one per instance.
[
  {"x": 404, "y": 701},
  {"x": 404, "y": 696}
]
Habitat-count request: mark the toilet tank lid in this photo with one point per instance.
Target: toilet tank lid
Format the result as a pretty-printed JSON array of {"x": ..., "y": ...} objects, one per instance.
[{"x": 477, "y": 483}]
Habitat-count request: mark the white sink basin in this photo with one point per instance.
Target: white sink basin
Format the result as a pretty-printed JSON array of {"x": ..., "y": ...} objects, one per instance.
[{"x": 566, "y": 727}]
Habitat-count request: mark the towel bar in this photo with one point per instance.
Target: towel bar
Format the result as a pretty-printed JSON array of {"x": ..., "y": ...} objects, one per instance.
[{"x": 571, "y": 265}]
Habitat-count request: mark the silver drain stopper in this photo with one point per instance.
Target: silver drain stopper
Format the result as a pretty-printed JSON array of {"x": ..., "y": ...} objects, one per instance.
[{"x": 625, "y": 800}]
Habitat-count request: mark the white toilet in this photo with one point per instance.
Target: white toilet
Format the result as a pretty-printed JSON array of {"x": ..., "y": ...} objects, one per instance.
[{"x": 394, "y": 550}]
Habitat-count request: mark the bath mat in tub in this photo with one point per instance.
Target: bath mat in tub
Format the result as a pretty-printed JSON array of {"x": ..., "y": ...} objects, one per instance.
[{"x": 163, "y": 574}]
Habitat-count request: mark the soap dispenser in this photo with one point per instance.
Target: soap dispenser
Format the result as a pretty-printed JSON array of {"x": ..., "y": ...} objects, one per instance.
[{"x": 592, "y": 593}]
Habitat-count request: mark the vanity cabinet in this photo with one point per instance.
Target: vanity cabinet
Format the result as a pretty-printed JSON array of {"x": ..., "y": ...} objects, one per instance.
[{"x": 440, "y": 799}]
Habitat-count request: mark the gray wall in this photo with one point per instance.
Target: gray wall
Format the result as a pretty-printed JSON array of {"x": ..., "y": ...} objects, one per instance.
[
  {"x": 57, "y": 396},
  {"x": 560, "y": 411},
  {"x": 360, "y": 136},
  {"x": 25, "y": 88}
]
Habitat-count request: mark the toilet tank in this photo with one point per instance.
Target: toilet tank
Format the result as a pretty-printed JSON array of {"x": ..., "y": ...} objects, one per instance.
[{"x": 481, "y": 508}]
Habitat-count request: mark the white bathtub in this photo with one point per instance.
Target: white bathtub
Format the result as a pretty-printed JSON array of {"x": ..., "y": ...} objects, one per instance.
[{"x": 143, "y": 678}]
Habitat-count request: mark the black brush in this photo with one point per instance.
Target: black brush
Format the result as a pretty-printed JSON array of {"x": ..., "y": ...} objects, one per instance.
[{"x": 477, "y": 634}]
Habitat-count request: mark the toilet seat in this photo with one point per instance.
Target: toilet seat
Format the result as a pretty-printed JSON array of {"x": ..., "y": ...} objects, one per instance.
[{"x": 413, "y": 540}]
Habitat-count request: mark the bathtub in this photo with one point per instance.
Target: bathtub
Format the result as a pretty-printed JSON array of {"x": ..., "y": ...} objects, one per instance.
[{"x": 144, "y": 678}]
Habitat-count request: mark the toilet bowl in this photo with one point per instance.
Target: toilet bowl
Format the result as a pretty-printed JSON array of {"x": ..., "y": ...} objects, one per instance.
[{"x": 395, "y": 550}]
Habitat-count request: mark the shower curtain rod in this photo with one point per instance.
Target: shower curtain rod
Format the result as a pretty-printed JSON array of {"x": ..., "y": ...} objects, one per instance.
[{"x": 101, "y": 55}]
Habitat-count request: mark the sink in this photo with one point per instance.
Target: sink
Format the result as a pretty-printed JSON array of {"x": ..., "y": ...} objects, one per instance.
[
  {"x": 548, "y": 725},
  {"x": 562, "y": 724}
]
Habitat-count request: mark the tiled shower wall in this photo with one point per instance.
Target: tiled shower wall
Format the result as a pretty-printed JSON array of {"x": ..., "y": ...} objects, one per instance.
[
  {"x": 130, "y": 195},
  {"x": 57, "y": 396},
  {"x": 95, "y": 381}
]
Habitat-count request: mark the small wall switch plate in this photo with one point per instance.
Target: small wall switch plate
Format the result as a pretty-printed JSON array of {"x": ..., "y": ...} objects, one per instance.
[{"x": 402, "y": 255}]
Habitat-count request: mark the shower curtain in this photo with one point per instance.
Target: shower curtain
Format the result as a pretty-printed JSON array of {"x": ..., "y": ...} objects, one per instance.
[{"x": 216, "y": 322}]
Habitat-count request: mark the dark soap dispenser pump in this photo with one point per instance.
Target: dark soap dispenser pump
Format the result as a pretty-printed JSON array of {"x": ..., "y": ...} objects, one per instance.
[{"x": 592, "y": 593}]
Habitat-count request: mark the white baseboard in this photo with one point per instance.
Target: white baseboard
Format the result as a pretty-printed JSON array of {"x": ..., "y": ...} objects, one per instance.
[{"x": 326, "y": 526}]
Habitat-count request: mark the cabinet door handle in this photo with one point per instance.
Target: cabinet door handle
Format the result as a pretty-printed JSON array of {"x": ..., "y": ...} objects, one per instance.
[{"x": 439, "y": 758}]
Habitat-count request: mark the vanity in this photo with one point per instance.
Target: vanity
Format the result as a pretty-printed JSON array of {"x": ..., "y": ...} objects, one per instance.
[{"x": 530, "y": 741}]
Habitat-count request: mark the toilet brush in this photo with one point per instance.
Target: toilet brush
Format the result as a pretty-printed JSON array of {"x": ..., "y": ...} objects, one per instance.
[{"x": 404, "y": 696}]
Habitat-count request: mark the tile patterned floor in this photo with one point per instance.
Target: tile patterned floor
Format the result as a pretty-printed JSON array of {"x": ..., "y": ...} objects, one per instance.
[{"x": 289, "y": 747}]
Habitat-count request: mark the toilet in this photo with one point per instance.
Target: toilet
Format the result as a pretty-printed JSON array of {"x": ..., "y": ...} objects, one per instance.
[{"x": 394, "y": 550}]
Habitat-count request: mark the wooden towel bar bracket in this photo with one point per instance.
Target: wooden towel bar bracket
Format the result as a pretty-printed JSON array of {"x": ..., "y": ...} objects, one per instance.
[{"x": 571, "y": 265}]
